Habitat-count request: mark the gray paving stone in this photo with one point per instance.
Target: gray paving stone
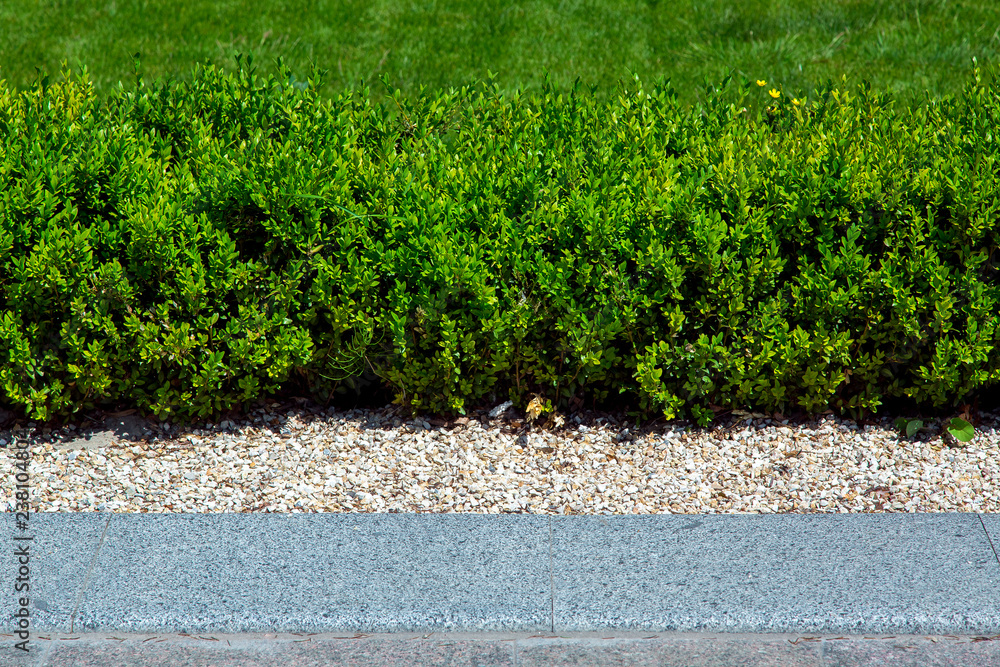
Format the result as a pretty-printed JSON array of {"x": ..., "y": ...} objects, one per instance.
[
  {"x": 60, "y": 556},
  {"x": 320, "y": 572},
  {"x": 108, "y": 432},
  {"x": 828, "y": 573}
]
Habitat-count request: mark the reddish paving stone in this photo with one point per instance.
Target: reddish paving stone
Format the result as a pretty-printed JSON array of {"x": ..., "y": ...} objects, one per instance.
[
  {"x": 303, "y": 653},
  {"x": 913, "y": 652},
  {"x": 760, "y": 651},
  {"x": 499, "y": 650}
]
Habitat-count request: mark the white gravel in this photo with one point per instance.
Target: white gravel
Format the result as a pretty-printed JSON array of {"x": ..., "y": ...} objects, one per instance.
[{"x": 373, "y": 461}]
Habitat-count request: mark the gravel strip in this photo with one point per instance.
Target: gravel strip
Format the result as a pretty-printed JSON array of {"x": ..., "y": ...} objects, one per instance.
[{"x": 375, "y": 461}]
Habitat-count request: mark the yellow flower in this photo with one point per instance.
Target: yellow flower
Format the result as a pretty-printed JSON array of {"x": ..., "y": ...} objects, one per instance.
[
  {"x": 774, "y": 93},
  {"x": 795, "y": 102},
  {"x": 761, "y": 82}
]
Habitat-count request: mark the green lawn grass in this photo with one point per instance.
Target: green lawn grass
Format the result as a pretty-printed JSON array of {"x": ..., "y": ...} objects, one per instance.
[{"x": 905, "y": 46}]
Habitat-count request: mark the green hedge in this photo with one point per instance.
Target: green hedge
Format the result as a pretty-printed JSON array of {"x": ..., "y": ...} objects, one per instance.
[{"x": 186, "y": 248}]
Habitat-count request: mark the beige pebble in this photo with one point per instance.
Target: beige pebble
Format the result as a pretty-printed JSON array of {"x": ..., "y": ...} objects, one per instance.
[{"x": 366, "y": 461}]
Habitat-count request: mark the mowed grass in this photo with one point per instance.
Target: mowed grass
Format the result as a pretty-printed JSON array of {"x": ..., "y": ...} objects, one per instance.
[{"x": 907, "y": 47}]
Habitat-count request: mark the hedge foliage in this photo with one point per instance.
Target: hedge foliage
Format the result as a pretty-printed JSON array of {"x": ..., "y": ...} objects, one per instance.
[{"x": 189, "y": 247}]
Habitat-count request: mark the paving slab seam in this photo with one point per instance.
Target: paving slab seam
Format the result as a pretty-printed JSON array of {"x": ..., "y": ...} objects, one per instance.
[
  {"x": 86, "y": 578},
  {"x": 988, "y": 538},
  {"x": 552, "y": 584}
]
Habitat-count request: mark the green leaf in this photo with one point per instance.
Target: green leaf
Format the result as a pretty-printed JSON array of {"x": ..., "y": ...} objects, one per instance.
[
  {"x": 961, "y": 430},
  {"x": 909, "y": 426}
]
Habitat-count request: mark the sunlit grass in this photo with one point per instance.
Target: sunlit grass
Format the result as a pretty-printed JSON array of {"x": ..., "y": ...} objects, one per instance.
[{"x": 907, "y": 47}]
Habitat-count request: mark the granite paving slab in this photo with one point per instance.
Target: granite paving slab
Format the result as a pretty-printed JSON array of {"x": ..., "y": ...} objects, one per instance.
[
  {"x": 61, "y": 551},
  {"x": 430, "y": 573},
  {"x": 320, "y": 572},
  {"x": 829, "y": 573}
]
